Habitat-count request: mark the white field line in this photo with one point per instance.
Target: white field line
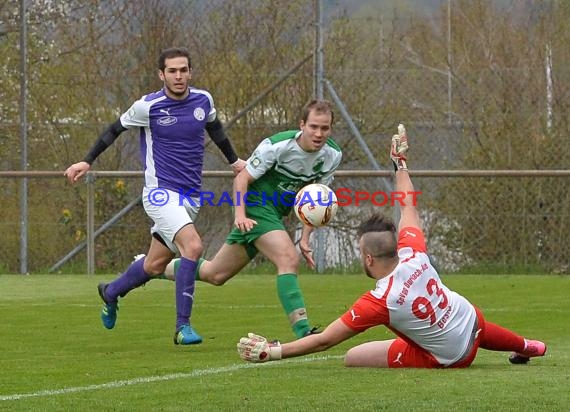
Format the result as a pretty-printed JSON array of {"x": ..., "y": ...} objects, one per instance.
[{"x": 150, "y": 379}]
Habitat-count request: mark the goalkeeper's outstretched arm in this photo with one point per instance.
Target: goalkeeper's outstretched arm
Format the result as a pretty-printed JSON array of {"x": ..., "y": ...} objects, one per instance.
[
  {"x": 255, "y": 348},
  {"x": 409, "y": 216}
]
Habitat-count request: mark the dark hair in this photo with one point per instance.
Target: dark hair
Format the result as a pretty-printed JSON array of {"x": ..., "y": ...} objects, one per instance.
[
  {"x": 376, "y": 223},
  {"x": 170, "y": 54},
  {"x": 378, "y": 234},
  {"x": 318, "y": 106}
]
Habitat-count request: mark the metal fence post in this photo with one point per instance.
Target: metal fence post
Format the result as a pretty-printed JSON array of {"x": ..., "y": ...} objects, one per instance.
[{"x": 90, "y": 180}]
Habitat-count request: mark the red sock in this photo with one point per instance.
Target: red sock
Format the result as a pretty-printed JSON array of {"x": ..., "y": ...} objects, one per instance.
[{"x": 501, "y": 339}]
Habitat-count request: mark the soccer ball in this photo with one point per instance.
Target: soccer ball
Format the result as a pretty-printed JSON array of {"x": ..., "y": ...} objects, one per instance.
[{"x": 315, "y": 205}]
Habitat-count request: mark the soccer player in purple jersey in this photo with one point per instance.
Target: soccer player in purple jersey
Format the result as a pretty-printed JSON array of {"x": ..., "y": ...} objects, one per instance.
[{"x": 172, "y": 124}]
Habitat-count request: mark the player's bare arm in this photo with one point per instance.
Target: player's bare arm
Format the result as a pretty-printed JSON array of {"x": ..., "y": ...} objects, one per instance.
[
  {"x": 398, "y": 153},
  {"x": 409, "y": 216},
  {"x": 304, "y": 245},
  {"x": 238, "y": 166},
  {"x": 334, "y": 334},
  {"x": 241, "y": 184},
  {"x": 256, "y": 348}
]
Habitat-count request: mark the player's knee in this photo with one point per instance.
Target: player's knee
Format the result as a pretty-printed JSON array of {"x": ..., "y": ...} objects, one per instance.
[
  {"x": 353, "y": 358},
  {"x": 368, "y": 355},
  {"x": 192, "y": 250},
  {"x": 209, "y": 273},
  {"x": 349, "y": 358},
  {"x": 155, "y": 268},
  {"x": 288, "y": 262},
  {"x": 218, "y": 280},
  {"x": 196, "y": 247}
]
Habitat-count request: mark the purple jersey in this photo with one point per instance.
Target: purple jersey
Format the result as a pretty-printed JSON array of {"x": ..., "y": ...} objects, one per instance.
[{"x": 172, "y": 136}]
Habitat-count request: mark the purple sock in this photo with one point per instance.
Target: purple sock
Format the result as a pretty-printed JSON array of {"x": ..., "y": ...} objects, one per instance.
[
  {"x": 185, "y": 281},
  {"x": 132, "y": 278}
]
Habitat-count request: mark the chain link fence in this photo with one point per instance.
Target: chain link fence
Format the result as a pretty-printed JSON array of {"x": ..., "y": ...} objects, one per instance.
[
  {"x": 472, "y": 223},
  {"x": 478, "y": 86}
]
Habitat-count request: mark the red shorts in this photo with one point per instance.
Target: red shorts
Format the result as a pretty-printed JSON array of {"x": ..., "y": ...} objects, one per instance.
[{"x": 408, "y": 355}]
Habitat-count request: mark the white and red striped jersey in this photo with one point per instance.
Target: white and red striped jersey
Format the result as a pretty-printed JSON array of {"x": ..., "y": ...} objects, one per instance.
[{"x": 414, "y": 303}]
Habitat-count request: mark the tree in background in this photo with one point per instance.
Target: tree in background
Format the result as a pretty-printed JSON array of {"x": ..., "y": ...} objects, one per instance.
[{"x": 388, "y": 62}]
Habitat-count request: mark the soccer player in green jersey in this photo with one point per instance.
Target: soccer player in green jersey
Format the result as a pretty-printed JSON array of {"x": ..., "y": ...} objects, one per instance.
[{"x": 278, "y": 168}]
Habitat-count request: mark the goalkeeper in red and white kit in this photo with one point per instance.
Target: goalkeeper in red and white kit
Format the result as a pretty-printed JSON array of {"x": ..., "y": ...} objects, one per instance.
[{"x": 435, "y": 327}]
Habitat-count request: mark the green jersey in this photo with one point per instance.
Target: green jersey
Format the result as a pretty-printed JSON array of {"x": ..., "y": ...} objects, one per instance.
[{"x": 281, "y": 168}]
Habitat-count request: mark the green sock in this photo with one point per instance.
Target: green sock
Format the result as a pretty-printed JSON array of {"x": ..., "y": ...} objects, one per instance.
[
  {"x": 200, "y": 261},
  {"x": 176, "y": 263},
  {"x": 293, "y": 303}
]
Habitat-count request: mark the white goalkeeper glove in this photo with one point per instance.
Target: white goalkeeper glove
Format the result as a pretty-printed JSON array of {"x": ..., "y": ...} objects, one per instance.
[
  {"x": 399, "y": 149},
  {"x": 257, "y": 349}
]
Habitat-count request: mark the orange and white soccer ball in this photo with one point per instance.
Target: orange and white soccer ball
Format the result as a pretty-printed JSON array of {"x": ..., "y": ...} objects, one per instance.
[{"x": 315, "y": 205}]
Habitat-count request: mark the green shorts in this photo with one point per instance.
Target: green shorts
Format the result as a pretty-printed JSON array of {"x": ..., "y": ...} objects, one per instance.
[{"x": 267, "y": 220}]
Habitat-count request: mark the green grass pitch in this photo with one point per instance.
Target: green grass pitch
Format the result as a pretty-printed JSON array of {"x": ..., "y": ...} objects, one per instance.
[{"x": 56, "y": 356}]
